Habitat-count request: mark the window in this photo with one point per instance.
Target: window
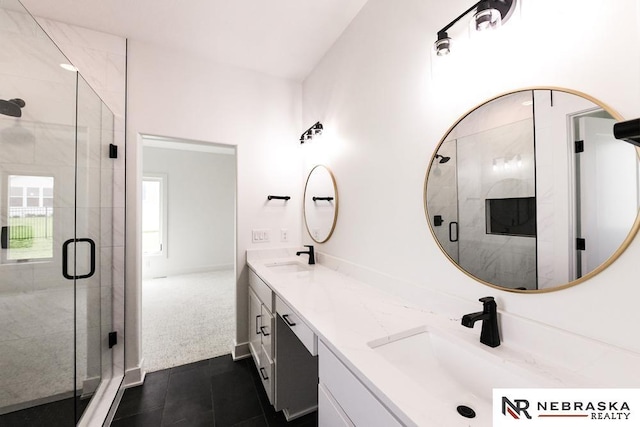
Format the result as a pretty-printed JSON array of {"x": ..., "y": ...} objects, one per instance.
[
  {"x": 29, "y": 231},
  {"x": 153, "y": 215}
]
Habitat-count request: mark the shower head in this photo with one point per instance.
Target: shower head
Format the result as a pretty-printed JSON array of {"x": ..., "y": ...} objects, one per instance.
[
  {"x": 12, "y": 107},
  {"x": 443, "y": 159}
]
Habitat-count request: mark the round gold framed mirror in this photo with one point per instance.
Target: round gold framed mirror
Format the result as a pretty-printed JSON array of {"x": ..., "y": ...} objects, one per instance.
[
  {"x": 531, "y": 192},
  {"x": 320, "y": 204}
]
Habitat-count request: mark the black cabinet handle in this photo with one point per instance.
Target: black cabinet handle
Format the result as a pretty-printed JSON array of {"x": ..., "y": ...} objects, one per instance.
[
  {"x": 262, "y": 373},
  {"x": 289, "y": 322},
  {"x": 258, "y": 332},
  {"x": 453, "y": 224},
  {"x": 262, "y": 328},
  {"x": 65, "y": 259}
]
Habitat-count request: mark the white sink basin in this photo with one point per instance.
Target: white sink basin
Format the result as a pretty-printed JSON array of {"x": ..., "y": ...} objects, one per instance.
[
  {"x": 460, "y": 371},
  {"x": 287, "y": 267}
]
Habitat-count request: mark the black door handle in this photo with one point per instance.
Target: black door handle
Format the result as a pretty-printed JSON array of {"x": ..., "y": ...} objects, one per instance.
[
  {"x": 264, "y": 376},
  {"x": 258, "y": 327},
  {"x": 451, "y": 226},
  {"x": 65, "y": 258},
  {"x": 289, "y": 322}
]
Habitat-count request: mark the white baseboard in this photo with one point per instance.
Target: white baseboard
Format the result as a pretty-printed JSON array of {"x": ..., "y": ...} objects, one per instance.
[
  {"x": 134, "y": 376},
  {"x": 154, "y": 273},
  {"x": 240, "y": 351},
  {"x": 89, "y": 386}
]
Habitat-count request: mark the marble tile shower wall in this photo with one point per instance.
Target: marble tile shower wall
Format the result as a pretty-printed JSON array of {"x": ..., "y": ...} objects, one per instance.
[
  {"x": 506, "y": 170},
  {"x": 443, "y": 197}
]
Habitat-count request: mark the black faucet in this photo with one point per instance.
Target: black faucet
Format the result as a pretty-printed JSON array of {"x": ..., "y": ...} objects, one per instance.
[
  {"x": 312, "y": 257},
  {"x": 489, "y": 335}
]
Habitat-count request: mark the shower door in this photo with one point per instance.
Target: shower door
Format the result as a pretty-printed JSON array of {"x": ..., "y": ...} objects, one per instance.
[{"x": 56, "y": 220}]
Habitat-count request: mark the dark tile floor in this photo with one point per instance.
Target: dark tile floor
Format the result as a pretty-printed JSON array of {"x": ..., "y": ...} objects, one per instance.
[
  {"x": 216, "y": 392},
  {"x": 54, "y": 414}
]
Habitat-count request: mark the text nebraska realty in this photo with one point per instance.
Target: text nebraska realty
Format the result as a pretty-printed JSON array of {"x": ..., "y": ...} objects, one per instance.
[
  {"x": 599, "y": 410},
  {"x": 593, "y": 410}
]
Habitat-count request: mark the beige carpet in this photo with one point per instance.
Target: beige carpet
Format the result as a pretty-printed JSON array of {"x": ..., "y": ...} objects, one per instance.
[{"x": 187, "y": 318}]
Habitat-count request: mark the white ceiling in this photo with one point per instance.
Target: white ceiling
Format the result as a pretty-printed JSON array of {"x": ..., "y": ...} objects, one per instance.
[{"x": 284, "y": 38}]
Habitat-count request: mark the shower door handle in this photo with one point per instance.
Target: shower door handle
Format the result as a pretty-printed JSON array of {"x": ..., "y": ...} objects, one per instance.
[
  {"x": 65, "y": 258},
  {"x": 453, "y": 225}
]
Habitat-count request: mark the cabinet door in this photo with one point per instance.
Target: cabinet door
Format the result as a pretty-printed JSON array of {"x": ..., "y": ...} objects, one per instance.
[
  {"x": 357, "y": 402},
  {"x": 255, "y": 314},
  {"x": 266, "y": 329},
  {"x": 330, "y": 414},
  {"x": 266, "y": 374}
]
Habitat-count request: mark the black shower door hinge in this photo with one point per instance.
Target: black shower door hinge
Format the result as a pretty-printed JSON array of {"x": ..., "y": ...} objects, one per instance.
[
  {"x": 113, "y": 151},
  {"x": 579, "y": 146},
  {"x": 581, "y": 244},
  {"x": 113, "y": 339}
]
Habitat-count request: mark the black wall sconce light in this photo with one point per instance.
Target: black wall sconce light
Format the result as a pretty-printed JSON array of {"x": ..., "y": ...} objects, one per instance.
[
  {"x": 628, "y": 131},
  {"x": 488, "y": 14},
  {"x": 308, "y": 134}
]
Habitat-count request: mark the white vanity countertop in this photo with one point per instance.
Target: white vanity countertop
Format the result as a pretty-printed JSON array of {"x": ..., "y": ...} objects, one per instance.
[{"x": 346, "y": 314}]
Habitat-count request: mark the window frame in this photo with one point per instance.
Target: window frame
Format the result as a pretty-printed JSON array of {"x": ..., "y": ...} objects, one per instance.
[
  {"x": 163, "y": 180},
  {"x": 5, "y": 193}
]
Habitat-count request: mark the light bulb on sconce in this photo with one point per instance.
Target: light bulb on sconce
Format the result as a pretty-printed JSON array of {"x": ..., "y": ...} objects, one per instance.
[
  {"x": 442, "y": 46},
  {"x": 489, "y": 14},
  {"x": 486, "y": 17},
  {"x": 314, "y": 130}
]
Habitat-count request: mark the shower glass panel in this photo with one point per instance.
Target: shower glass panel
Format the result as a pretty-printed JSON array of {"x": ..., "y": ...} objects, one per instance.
[{"x": 56, "y": 193}]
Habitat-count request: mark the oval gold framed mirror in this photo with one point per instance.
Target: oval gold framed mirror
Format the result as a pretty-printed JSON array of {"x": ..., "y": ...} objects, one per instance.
[
  {"x": 531, "y": 192},
  {"x": 320, "y": 204}
]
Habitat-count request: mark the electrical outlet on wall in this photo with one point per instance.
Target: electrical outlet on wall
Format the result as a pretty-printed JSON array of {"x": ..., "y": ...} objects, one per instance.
[
  {"x": 259, "y": 235},
  {"x": 284, "y": 235}
]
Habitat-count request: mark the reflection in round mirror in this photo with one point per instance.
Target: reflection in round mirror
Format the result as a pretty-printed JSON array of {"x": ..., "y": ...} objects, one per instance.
[
  {"x": 530, "y": 191},
  {"x": 320, "y": 204}
]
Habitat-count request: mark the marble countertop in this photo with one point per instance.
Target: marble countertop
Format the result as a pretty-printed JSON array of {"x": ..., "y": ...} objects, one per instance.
[{"x": 347, "y": 314}]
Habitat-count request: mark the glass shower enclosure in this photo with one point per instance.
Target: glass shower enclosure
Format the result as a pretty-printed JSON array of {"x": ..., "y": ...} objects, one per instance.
[{"x": 57, "y": 236}]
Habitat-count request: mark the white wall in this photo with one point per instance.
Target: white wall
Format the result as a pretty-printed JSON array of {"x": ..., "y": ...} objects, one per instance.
[
  {"x": 386, "y": 100},
  {"x": 176, "y": 95},
  {"x": 200, "y": 213}
]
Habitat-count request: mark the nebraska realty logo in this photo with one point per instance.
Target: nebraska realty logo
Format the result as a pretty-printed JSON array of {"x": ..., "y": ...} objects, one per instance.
[{"x": 566, "y": 407}]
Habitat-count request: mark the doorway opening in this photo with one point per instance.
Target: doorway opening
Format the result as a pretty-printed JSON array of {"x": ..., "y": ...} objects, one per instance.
[
  {"x": 605, "y": 187},
  {"x": 188, "y": 244}
]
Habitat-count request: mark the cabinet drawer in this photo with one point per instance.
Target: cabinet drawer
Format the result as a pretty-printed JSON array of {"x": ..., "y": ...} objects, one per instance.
[
  {"x": 302, "y": 331},
  {"x": 262, "y": 290},
  {"x": 330, "y": 414},
  {"x": 358, "y": 403}
]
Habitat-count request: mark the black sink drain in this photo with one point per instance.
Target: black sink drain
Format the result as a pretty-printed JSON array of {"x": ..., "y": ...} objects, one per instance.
[{"x": 466, "y": 412}]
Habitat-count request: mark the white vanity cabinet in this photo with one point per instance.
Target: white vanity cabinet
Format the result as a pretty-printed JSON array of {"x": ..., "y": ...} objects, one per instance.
[
  {"x": 284, "y": 350},
  {"x": 344, "y": 400}
]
